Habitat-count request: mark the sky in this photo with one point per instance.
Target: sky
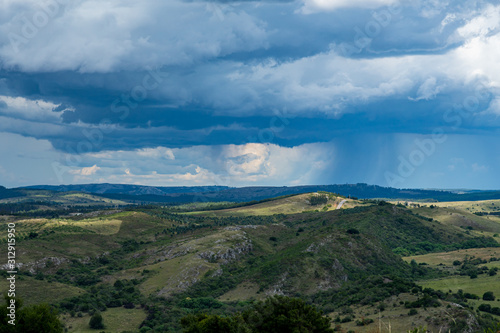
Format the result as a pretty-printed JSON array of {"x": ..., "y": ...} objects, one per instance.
[{"x": 244, "y": 93}]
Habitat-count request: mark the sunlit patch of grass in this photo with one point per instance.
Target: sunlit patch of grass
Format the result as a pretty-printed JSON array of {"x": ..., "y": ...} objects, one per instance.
[
  {"x": 33, "y": 291},
  {"x": 447, "y": 258},
  {"x": 114, "y": 320}
]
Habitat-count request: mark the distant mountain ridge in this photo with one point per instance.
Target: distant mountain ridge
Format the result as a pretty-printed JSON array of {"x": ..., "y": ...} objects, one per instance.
[
  {"x": 106, "y": 188},
  {"x": 184, "y": 194}
]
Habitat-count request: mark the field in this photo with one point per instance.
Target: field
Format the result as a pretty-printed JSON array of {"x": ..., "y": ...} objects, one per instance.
[
  {"x": 393, "y": 318},
  {"x": 34, "y": 291},
  {"x": 290, "y": 205},
  {"x": 114, "y": 319},
  {"x": 64, "y": 198},
  {"x": 447, "y": 258}
]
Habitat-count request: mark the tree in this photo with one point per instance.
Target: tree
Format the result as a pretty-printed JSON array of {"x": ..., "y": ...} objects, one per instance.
[
  {"x": 488, "y": 296},
  {"x": 39, "y": 318},
  {"x": 203, "y": 323},
  {"x": 96, "y": 321},
  {"x": 276, "y": 314},
  {"x": 318, "y": 200},
  {"x": 283, "y": 314}
]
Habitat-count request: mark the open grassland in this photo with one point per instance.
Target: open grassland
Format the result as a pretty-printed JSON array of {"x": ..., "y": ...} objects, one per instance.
[
  {"x": 114, "y": 320},
  {"x": 484, "y": 206},
  {"x": 447, "y": 258},
  {"x": 481, "y": 206},
  {"x": 460, "y": 219},
  {"x": 33, "y": 291},
  {"x": 290, "y": 205},
  {"x": 244, "y": 291},
  {"x": 393, "y": 318},
  {"x": 64, "y": 198},
  {"x": 477, "y": 286},
  {"x": 81, "y": 238},
  {"x": 98, "y": 226}
]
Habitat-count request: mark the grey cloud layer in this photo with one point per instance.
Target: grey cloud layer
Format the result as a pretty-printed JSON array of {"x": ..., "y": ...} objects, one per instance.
[{"x": 285, "y": 75}]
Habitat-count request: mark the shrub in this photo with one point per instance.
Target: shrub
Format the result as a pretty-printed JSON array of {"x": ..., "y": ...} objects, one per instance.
[
  {"x": 353, "y": 231},
  {"x": 484, "y": 307},
  {"x": 318, "y": 200},
  {"x": 96, "y": 321},
  {"x": 488, "y": 296}
]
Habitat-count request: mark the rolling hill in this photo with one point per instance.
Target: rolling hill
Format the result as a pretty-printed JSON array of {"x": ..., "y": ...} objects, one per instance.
[{"x": 156, "y": 265}]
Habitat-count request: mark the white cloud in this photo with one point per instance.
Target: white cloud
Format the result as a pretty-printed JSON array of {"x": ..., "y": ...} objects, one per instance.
[
  {"x": 32, "y": 110},
  {"x": 479, "y": 168},
  {"x": 312, "y": 6},
  {"x": 494, "y": 107},
  {"x": 328, "y": 82},
  {"x": 428, "y": 90},
  {"x": 482, "y": 25},
  {"x": 106, "y": 35},
  {"x": 89, "y": 171},
  {"x": 159, "y": 152},
  {"x": 233, "y": 165}
]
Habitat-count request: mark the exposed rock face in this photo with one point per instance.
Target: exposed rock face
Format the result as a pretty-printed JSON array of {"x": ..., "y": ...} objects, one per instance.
[
  {"x": 165, "y": 253},
  {"x": 201, "y": 255},
  {"x": 226, "y": 255},
  {"x": 277, "y": 289},
  {"x": 35, "y": 266},
  {"x": 239, "y": 227}
]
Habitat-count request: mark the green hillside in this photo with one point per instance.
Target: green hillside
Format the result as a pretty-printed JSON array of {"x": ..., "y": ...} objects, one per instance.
[
  {"x": 288, "y": 205},
  {"x": 157, "y": 266}
]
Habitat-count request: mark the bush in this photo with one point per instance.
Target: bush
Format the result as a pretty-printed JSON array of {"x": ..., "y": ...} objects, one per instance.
[
  {"x": 412, "y": 312},
  {"x": 38, "y": 318},
  {"x": 96, "y": 321},
  {"x": 485, "y": 307},
  {"x": 488, "y": 296},
  {"x": 318, "y": 200},
  {"x": 353, "y": 231},
  {"x": 284, "y": 314}
]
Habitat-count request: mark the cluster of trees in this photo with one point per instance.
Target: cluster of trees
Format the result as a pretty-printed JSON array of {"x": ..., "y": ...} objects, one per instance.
[
  {"x": 275, "y": 314},
  {"x": 123, "y": 293},
  {"x": 40, "y": 318},
  {"x": 489, "y": 309},
  {"x": 470, "y": 267},
  {"x": 315, "y": 200}
]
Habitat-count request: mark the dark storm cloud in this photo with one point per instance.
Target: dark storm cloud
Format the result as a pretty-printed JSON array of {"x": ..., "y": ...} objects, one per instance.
[{"x": 289, "y": 75}]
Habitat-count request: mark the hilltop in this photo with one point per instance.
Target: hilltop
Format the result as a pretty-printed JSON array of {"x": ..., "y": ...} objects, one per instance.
[{"x": 291, "y": 204}]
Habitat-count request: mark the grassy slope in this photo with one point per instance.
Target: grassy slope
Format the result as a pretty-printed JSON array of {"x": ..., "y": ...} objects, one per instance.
[
  {"x": 291, "y": 205},
  {"x": 394, "y": 318},
  {"x": 447, "y": 258},
  {"x": 35, "y": 291},
  {"x": 309, "y": 252},
  {"x": 63, "y": 198},
  {"x": 114, "y": 319}
]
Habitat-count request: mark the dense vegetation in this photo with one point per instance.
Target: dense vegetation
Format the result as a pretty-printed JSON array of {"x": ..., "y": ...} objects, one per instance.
[{"x": 40, "y": 318}]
